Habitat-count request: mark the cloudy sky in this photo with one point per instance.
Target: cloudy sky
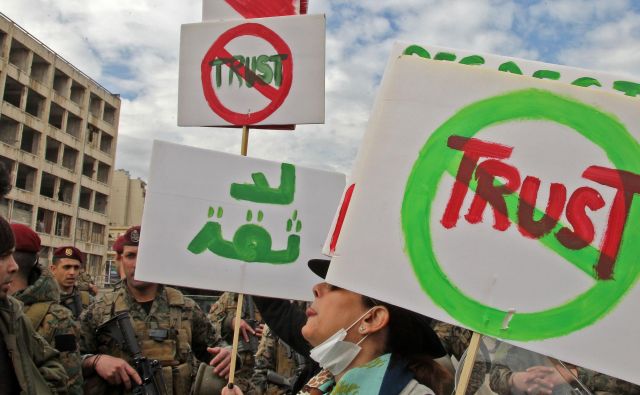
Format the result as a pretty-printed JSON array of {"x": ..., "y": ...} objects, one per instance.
[{"x": 131, "y": 48}]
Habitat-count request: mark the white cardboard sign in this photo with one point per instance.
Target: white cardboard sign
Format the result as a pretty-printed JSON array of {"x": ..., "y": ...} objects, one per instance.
[
  {"x": 225, "y": 222},
  {"x": 213, "y": 10},
  {"x": 501, "y": 203},
  {"x": 267, "y": 71}
]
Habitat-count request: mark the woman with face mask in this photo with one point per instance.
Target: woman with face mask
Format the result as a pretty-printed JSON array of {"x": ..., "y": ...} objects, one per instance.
[{"x": 368, "y": 347}]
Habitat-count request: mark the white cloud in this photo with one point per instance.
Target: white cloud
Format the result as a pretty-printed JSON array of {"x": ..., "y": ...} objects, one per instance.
[{"x": 142, "y": 39}]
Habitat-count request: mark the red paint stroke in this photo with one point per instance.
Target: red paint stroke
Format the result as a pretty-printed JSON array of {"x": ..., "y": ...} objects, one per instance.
[
  {"x": 218, "y": 51},
  {"x": 342, "y": 214},
  {"x": 627, "y": 184},
  {"x": 488, "y": 192},
  {"x": 473, "y": 149},
  {"x": 527, "y": 225},
  {"x": 583, "y": 231},
  {"x": 263, "y": 8}
]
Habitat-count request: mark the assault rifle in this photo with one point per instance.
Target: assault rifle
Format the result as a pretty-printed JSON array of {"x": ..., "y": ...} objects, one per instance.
[{"x": 150, "y": 371}]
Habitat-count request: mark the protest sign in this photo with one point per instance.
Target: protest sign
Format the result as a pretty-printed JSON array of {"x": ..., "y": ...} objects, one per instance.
[
  {"x": 267, "y": 71},
  {"x": 236, "y": 9},
  {"x": 225, "y": 222},
  {"x": 502, "y": 203}
]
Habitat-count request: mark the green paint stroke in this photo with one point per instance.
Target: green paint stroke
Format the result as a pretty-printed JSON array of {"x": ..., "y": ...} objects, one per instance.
[
  {"x": 445, "y": 56},
  {"x": 586, "y": 82},
  {"x": 220, "y": 211},
  {"x": 260, "y": 191},
  {"x": 251, "y": 243},
  {"x": 211, "y": 212},
  {"x": 260, "y": 215},
  {"x": 510, "y": 67},
  {"x": 417, "y": 50},
  {"x": 435, "y": 160},
  {"x": 629, "y": 88},
  {"x": 547, "y": 75},
  {"x": 249, "y": 215},
  {"x": 473, "y": 60}
]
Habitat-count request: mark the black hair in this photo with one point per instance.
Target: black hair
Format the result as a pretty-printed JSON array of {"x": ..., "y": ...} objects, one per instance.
[
  {"x": 26, "y": 261},
  {"x": 411, "y": 339},
  {"x": 7, "y": 240}
]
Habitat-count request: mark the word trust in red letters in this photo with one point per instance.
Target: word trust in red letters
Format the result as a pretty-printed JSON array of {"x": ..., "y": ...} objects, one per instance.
[{"x": 483, "y": 160}]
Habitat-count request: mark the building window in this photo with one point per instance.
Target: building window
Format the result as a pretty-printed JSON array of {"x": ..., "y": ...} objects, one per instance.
[
  {"x": 55, "y": 115},
  {"x": 22, "y": 213},
  {"x": 26, "y": 177},
  {"x": 61, "y": 83},
  {"x": 13, "y": 92},
  {"x": 87, "y": 166},
  {"x": 85, "y": 198},
  {"x": 35, "y": 103},
  {"x": 39, "y": 69},
  {"x": 74, "y": 125},
  {"x": 100, "y": 204},
  {"x": 8, "y": 130},
  {"x": 82, "y": 230},
  {"x": 63, "y": 225},
  {"x": 44, "y": 221},
  {"x": 103, "y": 172},
  {"x": 97, "y": 233},
  {"x": 77, "y": 92},
  {"x": 18, "y": 55},
  {"x": 30, "y": 140},
  {"x": 65, "y": 192},
  {"x": 69, "y": 158},
  {"x": 48, "y": 185}
]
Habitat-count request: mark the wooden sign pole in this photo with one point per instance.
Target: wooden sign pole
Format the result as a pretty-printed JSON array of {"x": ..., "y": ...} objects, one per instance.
[
  {"x": 238, "y": 318},
  {"x": 467, "y": 367}
]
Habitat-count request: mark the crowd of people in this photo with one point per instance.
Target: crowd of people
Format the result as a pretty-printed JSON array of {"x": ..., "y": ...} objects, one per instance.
[{"x": 59, "y": 335}]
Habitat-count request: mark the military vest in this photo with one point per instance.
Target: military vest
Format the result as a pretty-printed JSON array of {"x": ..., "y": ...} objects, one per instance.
[
  {"x": 170, "y": 343},
  {"x": 77, "y": 301}
]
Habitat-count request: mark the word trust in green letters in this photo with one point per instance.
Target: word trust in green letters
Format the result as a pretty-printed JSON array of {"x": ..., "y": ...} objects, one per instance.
[
  {"x": 629, "y": 88},
  {"x": 262, "y": 69},
  {"x": 251, "y": 242}
]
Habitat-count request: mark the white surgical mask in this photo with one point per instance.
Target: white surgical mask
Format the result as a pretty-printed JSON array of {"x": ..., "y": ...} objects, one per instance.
[{"x": 335, "y": 354}]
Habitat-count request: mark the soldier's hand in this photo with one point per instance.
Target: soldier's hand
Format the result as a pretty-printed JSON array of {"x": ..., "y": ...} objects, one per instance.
[
  {"x": 116, "y": 371},
  {"x": 529, "y": 382},
  {"x": 221, "y": 361},
  {"x": 259, "y": 330},
  {"x": 245, "y": 329}
]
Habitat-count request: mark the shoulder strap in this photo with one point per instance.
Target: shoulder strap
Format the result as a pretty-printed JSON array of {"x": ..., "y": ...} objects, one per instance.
[
  {"x": 37, "y": 312},
  {"x": 175, "y": 297},
  {"x": 85, "y": 299}
]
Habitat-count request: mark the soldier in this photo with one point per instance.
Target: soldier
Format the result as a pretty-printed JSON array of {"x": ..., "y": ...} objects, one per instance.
[
  {"x": 65, "y": 266},
  {"x": 85, "y": 282},
  {"x": 169, "y": 328},
  {"x": 28, "y": 364},
  {"x": 277, "y": 366},
  {"x": 36, "y": 288},
  {"x": 519, "y": 371},
  {"x": 222, "y": 314}
]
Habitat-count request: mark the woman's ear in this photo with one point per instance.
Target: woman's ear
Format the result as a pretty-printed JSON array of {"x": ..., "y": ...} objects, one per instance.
[{"x": 376, "y": 320}]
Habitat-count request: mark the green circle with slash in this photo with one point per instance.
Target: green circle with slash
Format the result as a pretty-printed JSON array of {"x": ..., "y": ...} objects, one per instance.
[{"x": 601, "y": 129}]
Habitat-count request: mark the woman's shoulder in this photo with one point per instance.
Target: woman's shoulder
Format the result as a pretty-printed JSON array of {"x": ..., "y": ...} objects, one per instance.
[{"x": 415, "y": 388}]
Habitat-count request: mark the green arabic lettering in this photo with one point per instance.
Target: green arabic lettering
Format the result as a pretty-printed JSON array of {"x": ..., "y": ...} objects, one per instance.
[{"x": 260, "y": 191}]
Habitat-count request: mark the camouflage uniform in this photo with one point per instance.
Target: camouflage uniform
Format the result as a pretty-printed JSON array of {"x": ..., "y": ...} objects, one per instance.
[
  {"x": 36, "y": 365},
  {"x": 174, "y": 331},
  {"x": 77, "y": 301},
  {"x": 275, "y": 356},
  {"x": 222, "y": 314},
  {"x": 53, "y": 322},
  {"x": 456, "y": 341},
  {"x": 510, "y": 359},
  {"x": 84, "y": 282}
]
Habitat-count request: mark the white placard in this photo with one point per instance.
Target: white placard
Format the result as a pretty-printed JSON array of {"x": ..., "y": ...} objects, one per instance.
[
  {"x": 215, "y": 10},
  {"x": 267, "y": 71},
  {"x": 225, "y": 222},
  {"x": 500, "y": 275}
]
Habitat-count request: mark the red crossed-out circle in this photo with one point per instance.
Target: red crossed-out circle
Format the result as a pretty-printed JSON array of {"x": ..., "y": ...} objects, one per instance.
[{"x": 218, "y": 51}]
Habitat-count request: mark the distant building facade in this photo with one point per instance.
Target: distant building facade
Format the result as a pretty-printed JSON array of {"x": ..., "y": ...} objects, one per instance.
[
  {"x": 127, "y": 204},
  {"x": 58, "y": 135}
]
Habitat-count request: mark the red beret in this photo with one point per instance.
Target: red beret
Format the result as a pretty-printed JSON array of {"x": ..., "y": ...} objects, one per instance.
[
  {"x": 118, "y": 244},
  {"x": 69, "y": 252},
  {"x": 27, "y": 240},
  {"x": 132, "y": 236}
]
